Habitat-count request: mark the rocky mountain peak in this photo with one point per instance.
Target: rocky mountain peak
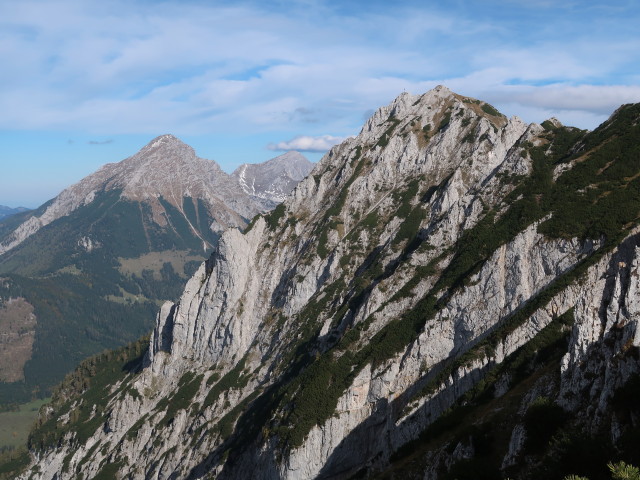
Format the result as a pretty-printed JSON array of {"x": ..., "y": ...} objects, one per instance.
[
  {"x": 167, "y": 145},
  {"x": 166, "y": 139},
  {"x": 555, "y": 122},
  {"x": 430, "y": 108},
  {"x": 439, "y": 135},
  {"x": 165, "y": 156},
  {"x": 156, "y": 158},
  {"x": 292, "y": 163},
  {"x": 168, "y": 169},
  {"x": 270, "y": 182}
]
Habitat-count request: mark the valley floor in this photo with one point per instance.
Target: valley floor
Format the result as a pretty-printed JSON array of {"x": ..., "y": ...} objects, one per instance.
[{"x": 15, "y": 425}]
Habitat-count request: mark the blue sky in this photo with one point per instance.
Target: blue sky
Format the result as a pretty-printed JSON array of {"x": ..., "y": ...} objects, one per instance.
[{"x": 88, "y": 82}]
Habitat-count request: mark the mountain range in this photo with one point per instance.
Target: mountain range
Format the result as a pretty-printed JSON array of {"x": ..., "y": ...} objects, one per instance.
[
  {"x": 88, "y": 270},
  {"x": 8, "y": 211},
  {"x": 450, "y": 294}
]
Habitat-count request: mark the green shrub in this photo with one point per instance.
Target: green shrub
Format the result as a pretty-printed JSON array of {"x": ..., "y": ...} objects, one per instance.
[
  {"x": 383, "y": 141},
  {"x": 13, "y": 462},
  {"x": 542, "y": 420},
  {"x": 489, "y": 109},
  {"x": 234, "y": 378},
  {"x": 273, "y": 218},
  {"x": 623, "y": 471},
  {"x": 253, "y": 221},
  {"x": 182, "y": 398},
  {"x": 90, "y": 381},
  {"x": 444, "y": 123}
]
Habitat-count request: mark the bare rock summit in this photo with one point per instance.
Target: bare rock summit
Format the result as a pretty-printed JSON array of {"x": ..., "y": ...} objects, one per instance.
[{"x": 272, "y": 181}]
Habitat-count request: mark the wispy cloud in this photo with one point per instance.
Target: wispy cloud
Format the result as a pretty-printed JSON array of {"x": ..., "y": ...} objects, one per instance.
[
  {"x": 100, "y": 142},
  {"x": 593, "y": 98},
  {"x": 196, "y": 67},
  {"x": 307, "y": 144}
]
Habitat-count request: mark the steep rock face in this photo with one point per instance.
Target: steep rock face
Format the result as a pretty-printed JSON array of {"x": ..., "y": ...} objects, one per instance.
[
  {"x": 600, "y": 360},
  {"x": 272, "y": 181},
  {"x": 417, "y": 260},
  {"x": 209, "y": 325}
]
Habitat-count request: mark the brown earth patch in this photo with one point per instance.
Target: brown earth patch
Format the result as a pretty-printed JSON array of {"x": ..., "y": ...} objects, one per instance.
[{"x": 17, "y": 331}]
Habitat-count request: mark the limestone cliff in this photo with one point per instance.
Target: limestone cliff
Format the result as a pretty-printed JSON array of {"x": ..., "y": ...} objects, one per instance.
[{"x": 445, "y": 257}]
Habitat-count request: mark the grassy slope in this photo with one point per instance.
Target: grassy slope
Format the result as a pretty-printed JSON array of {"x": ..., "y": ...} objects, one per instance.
[{"x": 15, "y": 425}]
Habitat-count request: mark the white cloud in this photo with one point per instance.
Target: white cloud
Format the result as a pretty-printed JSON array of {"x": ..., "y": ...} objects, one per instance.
[
  {"x": 198, "y": 67},
  {"x": 307, "y": 144},
  {"x": 600, "y": 99}
]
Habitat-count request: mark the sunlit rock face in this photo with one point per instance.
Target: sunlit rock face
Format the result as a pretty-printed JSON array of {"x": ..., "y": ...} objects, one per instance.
[{"x": 391, "y": 282}]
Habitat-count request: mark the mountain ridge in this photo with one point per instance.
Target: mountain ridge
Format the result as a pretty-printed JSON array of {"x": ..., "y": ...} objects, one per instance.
[
  {"x": 444, "y": 256},
  {"x": 8, "y": 211},
  {"x": 145, "y": 176}
]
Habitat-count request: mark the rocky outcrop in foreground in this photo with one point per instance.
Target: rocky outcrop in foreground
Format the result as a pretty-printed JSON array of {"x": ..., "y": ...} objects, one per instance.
[{"x": 435, "y": 283}]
